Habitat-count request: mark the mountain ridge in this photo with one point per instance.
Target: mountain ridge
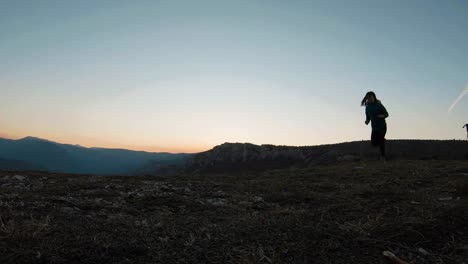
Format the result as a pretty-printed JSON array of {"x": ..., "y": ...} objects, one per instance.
[
  {"x": 248, "y": 156},
  {"x": 67, "y": 158},
  {"x": 226, "y": 157}
]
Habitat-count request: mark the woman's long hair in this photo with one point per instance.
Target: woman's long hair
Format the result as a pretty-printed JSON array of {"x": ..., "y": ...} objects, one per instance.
[{"x": 368, "y": 94}]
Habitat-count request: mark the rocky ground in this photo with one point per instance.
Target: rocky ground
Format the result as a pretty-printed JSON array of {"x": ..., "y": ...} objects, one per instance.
[{"x": 346, "y": 213}]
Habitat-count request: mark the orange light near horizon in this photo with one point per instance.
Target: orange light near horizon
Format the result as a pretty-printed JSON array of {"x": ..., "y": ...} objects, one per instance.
[
  {"x": 169, "y": 149},
  {"x": 3, "y": 135},
  {"x": 94, "y": 142},
  {"x": 148, "y": 148}
]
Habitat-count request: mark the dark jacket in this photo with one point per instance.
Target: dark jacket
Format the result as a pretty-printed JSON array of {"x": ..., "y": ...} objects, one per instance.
[{"x": 372, "y": 111}]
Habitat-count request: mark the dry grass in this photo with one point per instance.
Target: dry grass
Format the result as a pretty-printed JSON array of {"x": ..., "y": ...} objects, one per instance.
[{"x": 346, "y": 213}]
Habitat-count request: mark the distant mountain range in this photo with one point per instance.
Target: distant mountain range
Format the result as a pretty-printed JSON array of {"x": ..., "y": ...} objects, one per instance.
[
  {"x": 38, "y": 154},
  {"x": 32, "y": 153},
  {"x": 19, "y": 165}
]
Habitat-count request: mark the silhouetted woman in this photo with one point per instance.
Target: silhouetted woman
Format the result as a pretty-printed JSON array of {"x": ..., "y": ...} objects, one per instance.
[{"x": 376, "y": 114}]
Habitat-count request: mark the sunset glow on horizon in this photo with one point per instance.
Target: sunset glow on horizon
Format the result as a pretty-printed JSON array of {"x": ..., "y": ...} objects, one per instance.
[{"x": 185, "y": 76}]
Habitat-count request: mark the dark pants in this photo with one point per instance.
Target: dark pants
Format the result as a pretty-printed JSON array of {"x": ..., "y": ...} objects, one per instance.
[{"x": 378, "y": 139}]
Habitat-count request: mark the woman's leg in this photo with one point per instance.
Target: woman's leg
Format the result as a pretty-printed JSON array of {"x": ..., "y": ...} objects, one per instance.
[
  {"x": 375, "y": 138},
  {"x": 383, "y": 142},
  {"x": 382, "y": 147}
]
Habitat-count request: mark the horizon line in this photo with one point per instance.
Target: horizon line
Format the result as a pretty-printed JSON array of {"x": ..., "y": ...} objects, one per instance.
[{"x": 148, "y": 149}]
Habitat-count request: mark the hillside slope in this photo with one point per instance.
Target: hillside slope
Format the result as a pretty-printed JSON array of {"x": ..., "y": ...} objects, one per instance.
[
  {"x": 56, "y": 157},
  {"x": 245, "y": 156},
  {"x": 344, "y": 213},
  {"x": 19, "y": 165}
]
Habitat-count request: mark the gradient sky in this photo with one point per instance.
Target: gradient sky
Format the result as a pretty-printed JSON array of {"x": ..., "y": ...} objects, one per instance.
[{"x": 184, "y": 76}]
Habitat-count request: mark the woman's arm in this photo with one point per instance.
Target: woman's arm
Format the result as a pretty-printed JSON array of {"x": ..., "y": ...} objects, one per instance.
[{"x": 367, "y": 117}]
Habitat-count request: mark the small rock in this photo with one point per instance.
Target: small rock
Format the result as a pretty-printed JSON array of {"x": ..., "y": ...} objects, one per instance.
[
  {"x": 141, "y": 223},
  {"x": 423, "y": 251},
  {"x": 216, "y": 202},
  {"x": 414, "y": 202},
  {"x": 164, "y": 239},
  {"x": 445, "y": 199},
  {"x": 259, "y": 206},
  {"x": 66, "y": 210},
  {"x": 219, "y": 203},
  {"x": 19, "y": 178},
  {"x": 258, "y": 199},
  {"x": 102, "y": 213},
  {"x": 220, "y": 194}
]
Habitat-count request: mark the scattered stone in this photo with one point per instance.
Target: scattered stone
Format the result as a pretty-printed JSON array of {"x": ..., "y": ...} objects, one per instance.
[
  {"x": 259, "y": 206},
  {"x": 258, "y": 199},
  {"x": 141, "y": 223},
  {"x": 102, "y": 213},
  {"x": 414, "y": 202},
  {"x": 66, "y": 210},
  {"x": 423, "y": 251},
  {"x": 394, "y": 257},
  {"x": 444, "y": 199},
  {"x": 164, "y": 239},
  {"x": 216, "y": 202},
  {"x": 220, "y": 194},
  {"x": 147, "y": 182},
  {"x": 19, "y": 178}
]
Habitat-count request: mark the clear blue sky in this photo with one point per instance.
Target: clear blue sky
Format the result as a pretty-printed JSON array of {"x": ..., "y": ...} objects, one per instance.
[{"x": 188, "y": 75}]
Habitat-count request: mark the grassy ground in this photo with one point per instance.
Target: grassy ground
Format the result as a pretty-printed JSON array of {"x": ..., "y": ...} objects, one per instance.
[{"x": 346, "y": 213}]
